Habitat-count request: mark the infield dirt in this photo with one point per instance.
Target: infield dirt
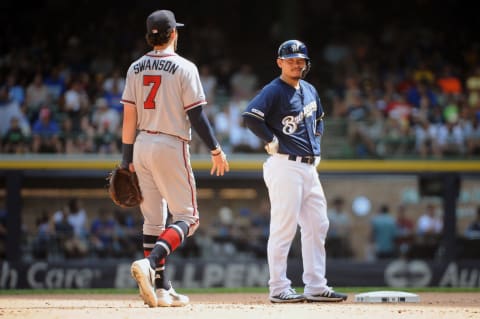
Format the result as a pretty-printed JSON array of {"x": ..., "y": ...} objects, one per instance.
[{"x": 233, "y": 306}]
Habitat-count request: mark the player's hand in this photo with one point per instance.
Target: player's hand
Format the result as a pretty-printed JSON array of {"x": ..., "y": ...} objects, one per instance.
[
  {"x": 272, "y": 147},
  {"x": 219, "y": 163}
]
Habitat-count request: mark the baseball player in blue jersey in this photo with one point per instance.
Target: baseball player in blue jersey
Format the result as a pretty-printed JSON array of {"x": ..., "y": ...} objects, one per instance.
[{"x": 288, "y": 116}]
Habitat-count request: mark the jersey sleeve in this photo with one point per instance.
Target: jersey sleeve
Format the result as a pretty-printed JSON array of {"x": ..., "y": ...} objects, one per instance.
[
  {"x": 260, "y": 105},
  {"x": 128, "y": 95},
  {"x": 193, "y": 94}
]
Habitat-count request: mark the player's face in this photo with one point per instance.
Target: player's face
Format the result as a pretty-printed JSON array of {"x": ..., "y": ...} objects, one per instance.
[{"x": 293, "y": 67}]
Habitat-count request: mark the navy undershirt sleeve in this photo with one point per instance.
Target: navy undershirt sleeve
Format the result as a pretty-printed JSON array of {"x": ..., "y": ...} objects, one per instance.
[
  {"x": 202, "y": 126},
  {"x": 259, "y": 128}
]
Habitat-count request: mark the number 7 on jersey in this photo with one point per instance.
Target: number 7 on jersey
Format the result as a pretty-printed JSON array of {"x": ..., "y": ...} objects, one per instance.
[{"x": 156, "y": 80}]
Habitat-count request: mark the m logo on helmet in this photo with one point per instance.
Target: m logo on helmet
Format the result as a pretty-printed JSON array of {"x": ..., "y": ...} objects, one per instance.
[{"x": 294, "y": 47}]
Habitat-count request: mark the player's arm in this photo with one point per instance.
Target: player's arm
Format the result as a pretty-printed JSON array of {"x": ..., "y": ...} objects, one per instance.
[
  {"x": 129, "y": 130},
  {"x": 202, "y": 126},
  {"x": 260, "y": 129},
  {"x": 319, "y": 124}
]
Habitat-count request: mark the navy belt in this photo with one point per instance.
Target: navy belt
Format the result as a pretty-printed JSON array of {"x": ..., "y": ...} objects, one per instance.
[
  {"x": 304, "y": 159},
  {"x": 151, "y": 132}
]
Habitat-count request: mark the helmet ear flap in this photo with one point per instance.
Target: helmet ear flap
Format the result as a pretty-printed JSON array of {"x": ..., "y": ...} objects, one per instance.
[{"x": 307, "y": 68}]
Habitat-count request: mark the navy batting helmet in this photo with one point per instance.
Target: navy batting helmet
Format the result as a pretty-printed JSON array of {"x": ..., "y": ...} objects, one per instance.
[{"x": 294, "y": 49}]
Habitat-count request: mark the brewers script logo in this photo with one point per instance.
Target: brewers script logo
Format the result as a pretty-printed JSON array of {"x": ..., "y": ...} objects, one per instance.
[{"x": 290, "y": 122}]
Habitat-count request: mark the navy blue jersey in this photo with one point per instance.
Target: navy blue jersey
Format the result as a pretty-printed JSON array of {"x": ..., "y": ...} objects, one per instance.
[{"x": 293, "y": 116}]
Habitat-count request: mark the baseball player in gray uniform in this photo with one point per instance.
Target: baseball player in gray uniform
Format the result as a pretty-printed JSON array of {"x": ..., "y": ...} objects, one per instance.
[
  {"x": 288, "y": 116},
  {"x": 163, "y": 98}
]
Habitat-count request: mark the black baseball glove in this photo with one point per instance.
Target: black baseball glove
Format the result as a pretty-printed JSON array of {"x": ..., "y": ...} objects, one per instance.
[{"x": 123, "y": 187}]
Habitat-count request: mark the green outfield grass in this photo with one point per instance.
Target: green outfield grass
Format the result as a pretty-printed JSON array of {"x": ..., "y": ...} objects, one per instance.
[{"x": 229, "y": 290}]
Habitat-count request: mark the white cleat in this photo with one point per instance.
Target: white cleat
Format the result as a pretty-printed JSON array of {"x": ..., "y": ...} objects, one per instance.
[
  {"x": 170, "y": 298},
  {"x": 144, "y": 275},
  {"x": 179, "y": 300},
  {"x": 164, "y": 298}
]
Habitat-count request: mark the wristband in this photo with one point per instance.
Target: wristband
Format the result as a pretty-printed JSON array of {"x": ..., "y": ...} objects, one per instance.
[
  {"x": 216, "y": 151},
  {"x": 127, "y": 154}
]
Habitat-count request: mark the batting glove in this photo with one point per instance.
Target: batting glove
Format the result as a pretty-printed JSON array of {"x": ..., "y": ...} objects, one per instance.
[{"x": 272, "y": 147}]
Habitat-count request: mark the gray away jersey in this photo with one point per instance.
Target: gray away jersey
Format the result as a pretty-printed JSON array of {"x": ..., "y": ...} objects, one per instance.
[{"x": 163, "y": 86}]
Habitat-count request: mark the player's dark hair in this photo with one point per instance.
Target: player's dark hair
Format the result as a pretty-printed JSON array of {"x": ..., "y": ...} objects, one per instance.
[{"x": 154, "y": 39}]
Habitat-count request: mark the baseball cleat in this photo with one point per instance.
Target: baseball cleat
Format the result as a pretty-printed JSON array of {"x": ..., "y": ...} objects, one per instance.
[
  {"x": 287, "y": 296},
  {"x": 326, "y": 296},
  {"x": 164, "y": 298},
  {"x": 170, "y": 297},
  {"x": 179, "y": 300},
  {"x": 144, "y": 275}
]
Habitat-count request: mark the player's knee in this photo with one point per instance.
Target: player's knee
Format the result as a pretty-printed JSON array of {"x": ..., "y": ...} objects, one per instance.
[
  {"x": 181, "y": 228},
  {"x": 323, "y": 226},
  {"x": 154, "y": 230}
]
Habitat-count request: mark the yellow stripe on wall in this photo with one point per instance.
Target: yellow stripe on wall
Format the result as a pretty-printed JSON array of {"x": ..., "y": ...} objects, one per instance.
[{"x": 393, "y": 166}]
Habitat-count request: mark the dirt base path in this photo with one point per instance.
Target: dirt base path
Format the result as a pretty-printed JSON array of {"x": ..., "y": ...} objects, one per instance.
[{"x": 234, "y": 306}]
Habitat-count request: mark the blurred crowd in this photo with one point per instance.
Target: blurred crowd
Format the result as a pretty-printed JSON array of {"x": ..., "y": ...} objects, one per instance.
[
  {"x": 392, "y": 91},
  {"x": 72, "y": 232},
  {"x": 399, "y": 232}
]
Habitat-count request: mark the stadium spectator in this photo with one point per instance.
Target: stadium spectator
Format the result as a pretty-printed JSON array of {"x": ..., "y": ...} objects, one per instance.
[
  {"x": 244, "y": 83},
  {"x": 224, "y": 74},
  {"x": 78, "y": 218},
  {"x": 46, "y": 133},
  {"x": 11, "y": 109},
  {"x": 338, "y": 237},
  {"x": 473, "y": 88},
  {"x": 449, "y": 82},
  {"x": 104, "y": 238},
  {"x": 209, "y": 83},
  {"x": 68, "y": 138},
  {"x": 429, "y": 223},
  {"x": 113, "y": 89},
  {"x": 405, "y": 230},
  {"x": 423, "y": 73},
  {"x": 37, "y": 96},
  {"x": 76, "y": 103},
  {"x": 451, "y": 139},
  {"x": 426, "y": 143},
  {"x": 221, "y": 125},
  {"x": 43, "y": 242},
  {"x": 106, "y": 122},
  {"x": 421, "y": 89},
  {"x": 358, "y": 114},
  {"x": 128, "y": 236},
  {"x": 70, "y": 245},
  {"x": 221, "y": 232},
  {"x": 16, "y": 90},
  {"x": 472, "y": 136},
  {"x": 55, "y": 84},
  {"x": 14, "y": 140},
  {"x": 384, "y": 233},
  {"x": 86, "y": 139},
  {"x": 104, "y": 116}
]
